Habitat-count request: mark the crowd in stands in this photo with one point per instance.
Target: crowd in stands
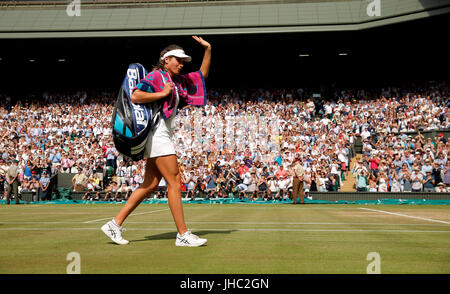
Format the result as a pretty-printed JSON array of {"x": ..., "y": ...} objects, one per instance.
[{"x": 241, "y": 144}]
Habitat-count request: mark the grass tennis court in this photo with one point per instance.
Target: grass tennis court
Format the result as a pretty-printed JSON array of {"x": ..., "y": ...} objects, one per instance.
[{"x": 242, "y": 239}]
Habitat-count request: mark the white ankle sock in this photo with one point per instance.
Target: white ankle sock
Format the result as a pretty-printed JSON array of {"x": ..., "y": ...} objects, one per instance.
[{"x": 114, "y": 223}]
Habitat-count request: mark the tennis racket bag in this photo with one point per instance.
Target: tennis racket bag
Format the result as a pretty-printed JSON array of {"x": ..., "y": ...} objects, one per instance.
[{"x": 131, "y": 123}]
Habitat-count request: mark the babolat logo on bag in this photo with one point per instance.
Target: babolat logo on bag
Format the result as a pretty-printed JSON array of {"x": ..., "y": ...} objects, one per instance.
[{"x": 131, "y": 122}]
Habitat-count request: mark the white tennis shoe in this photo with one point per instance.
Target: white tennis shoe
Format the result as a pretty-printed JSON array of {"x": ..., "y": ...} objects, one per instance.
[
  {"x": 114, "y": 232},
  {"x": 189, "y": 240}
]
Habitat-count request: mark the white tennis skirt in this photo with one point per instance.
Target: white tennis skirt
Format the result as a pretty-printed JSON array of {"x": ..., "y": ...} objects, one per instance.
[{"x": 159, "y": 142}]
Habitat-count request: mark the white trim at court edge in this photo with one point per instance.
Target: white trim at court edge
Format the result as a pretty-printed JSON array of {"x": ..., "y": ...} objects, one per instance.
[{"x": 405, "y": 215}]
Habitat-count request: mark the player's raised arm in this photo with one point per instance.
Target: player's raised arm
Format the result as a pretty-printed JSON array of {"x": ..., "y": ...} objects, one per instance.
[{"x": 206, "y": 63}]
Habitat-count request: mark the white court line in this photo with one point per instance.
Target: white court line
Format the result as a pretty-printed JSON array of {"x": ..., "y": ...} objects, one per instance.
[
  {"x": 243, "y": 206},
  {"x": 405, "y": 215},
  {"x": 106, "y": 218},
  {"x": 233, "y": 229},
  {"x": 223, "y": 223}
]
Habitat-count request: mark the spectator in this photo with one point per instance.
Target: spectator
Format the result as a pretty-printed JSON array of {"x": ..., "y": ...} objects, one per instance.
[
  {"x": 417, "y": 180},
  {"x": 395, "y": 184},
  {"x": 3, "y": 182},
  {"x": 333, "y": 183},
  {"x": 253, "y": 187},
  {"x": 44, "y": 184},
  {"x": 373, "y": 187},
  {"x": 263, "y": 187},
  {"x": 35, "y": 186},
  {"x": 121, "y": 173},
  {"x": 110, "y": 190},
  {"x": 133, "y": 187},
  {"x": 436, "y": 172},
  {"x": 199, "y": 189},
  {"x": 243, "y": 169},
  {"x": 428, "y": 182},
  {"x": 427, "y": 167},
  {"x": 406, "y": 183},
  {"x": 273, "y": 185},
  {"x": 307, "y": 180},
  {"x": 374, "y": 162},
  {"x": 313, "y": 184},
  {"x": 440, "y": 188},
  {"x": 323, "y": 182},
  {"x": 191, "y": 181},
  {"x": 283, "y": 184},
  {"x": 13, "y": 182},
  {"x": 221, "y": 184},
  {"x": 27, "y": 171},
  {"x": 281, "y": 173},
  {"x": 79, "y": 181},
  {"x": 74, "y": 168},
  {"x": 100, "y": 171},
  {"x": 245, "y": 181},
  {"x": 96, "y": 183},
  {"x": 298, "y": 180},
  {"x": 440, "y": 160},
  {"x": 25, "y": 186},
  {"x": 90, "y": 190},
  {"x": 446, "y": 174},
  {"x": 211, "y": 184},
  {"x": 111, "y": 154},
  {"x": 382, "y": 187},
  {"x": 362, "y": 182},
  {"x": 122, "y": 193},
  {"x": 359, "y": 167},
  {"x": 66, "y": 164}
]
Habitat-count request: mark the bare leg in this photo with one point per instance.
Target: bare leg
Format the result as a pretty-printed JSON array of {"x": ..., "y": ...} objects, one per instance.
[
  {"x": 151, "y": 180},
  {"x": 168, "y": 167}
]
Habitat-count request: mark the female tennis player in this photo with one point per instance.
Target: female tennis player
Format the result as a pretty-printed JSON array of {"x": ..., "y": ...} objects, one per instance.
[{"x": 174, "y": 90}]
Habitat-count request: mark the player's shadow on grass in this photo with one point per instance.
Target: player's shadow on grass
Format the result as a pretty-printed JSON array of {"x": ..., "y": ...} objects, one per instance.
[{"x": 173, "y": 235}]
